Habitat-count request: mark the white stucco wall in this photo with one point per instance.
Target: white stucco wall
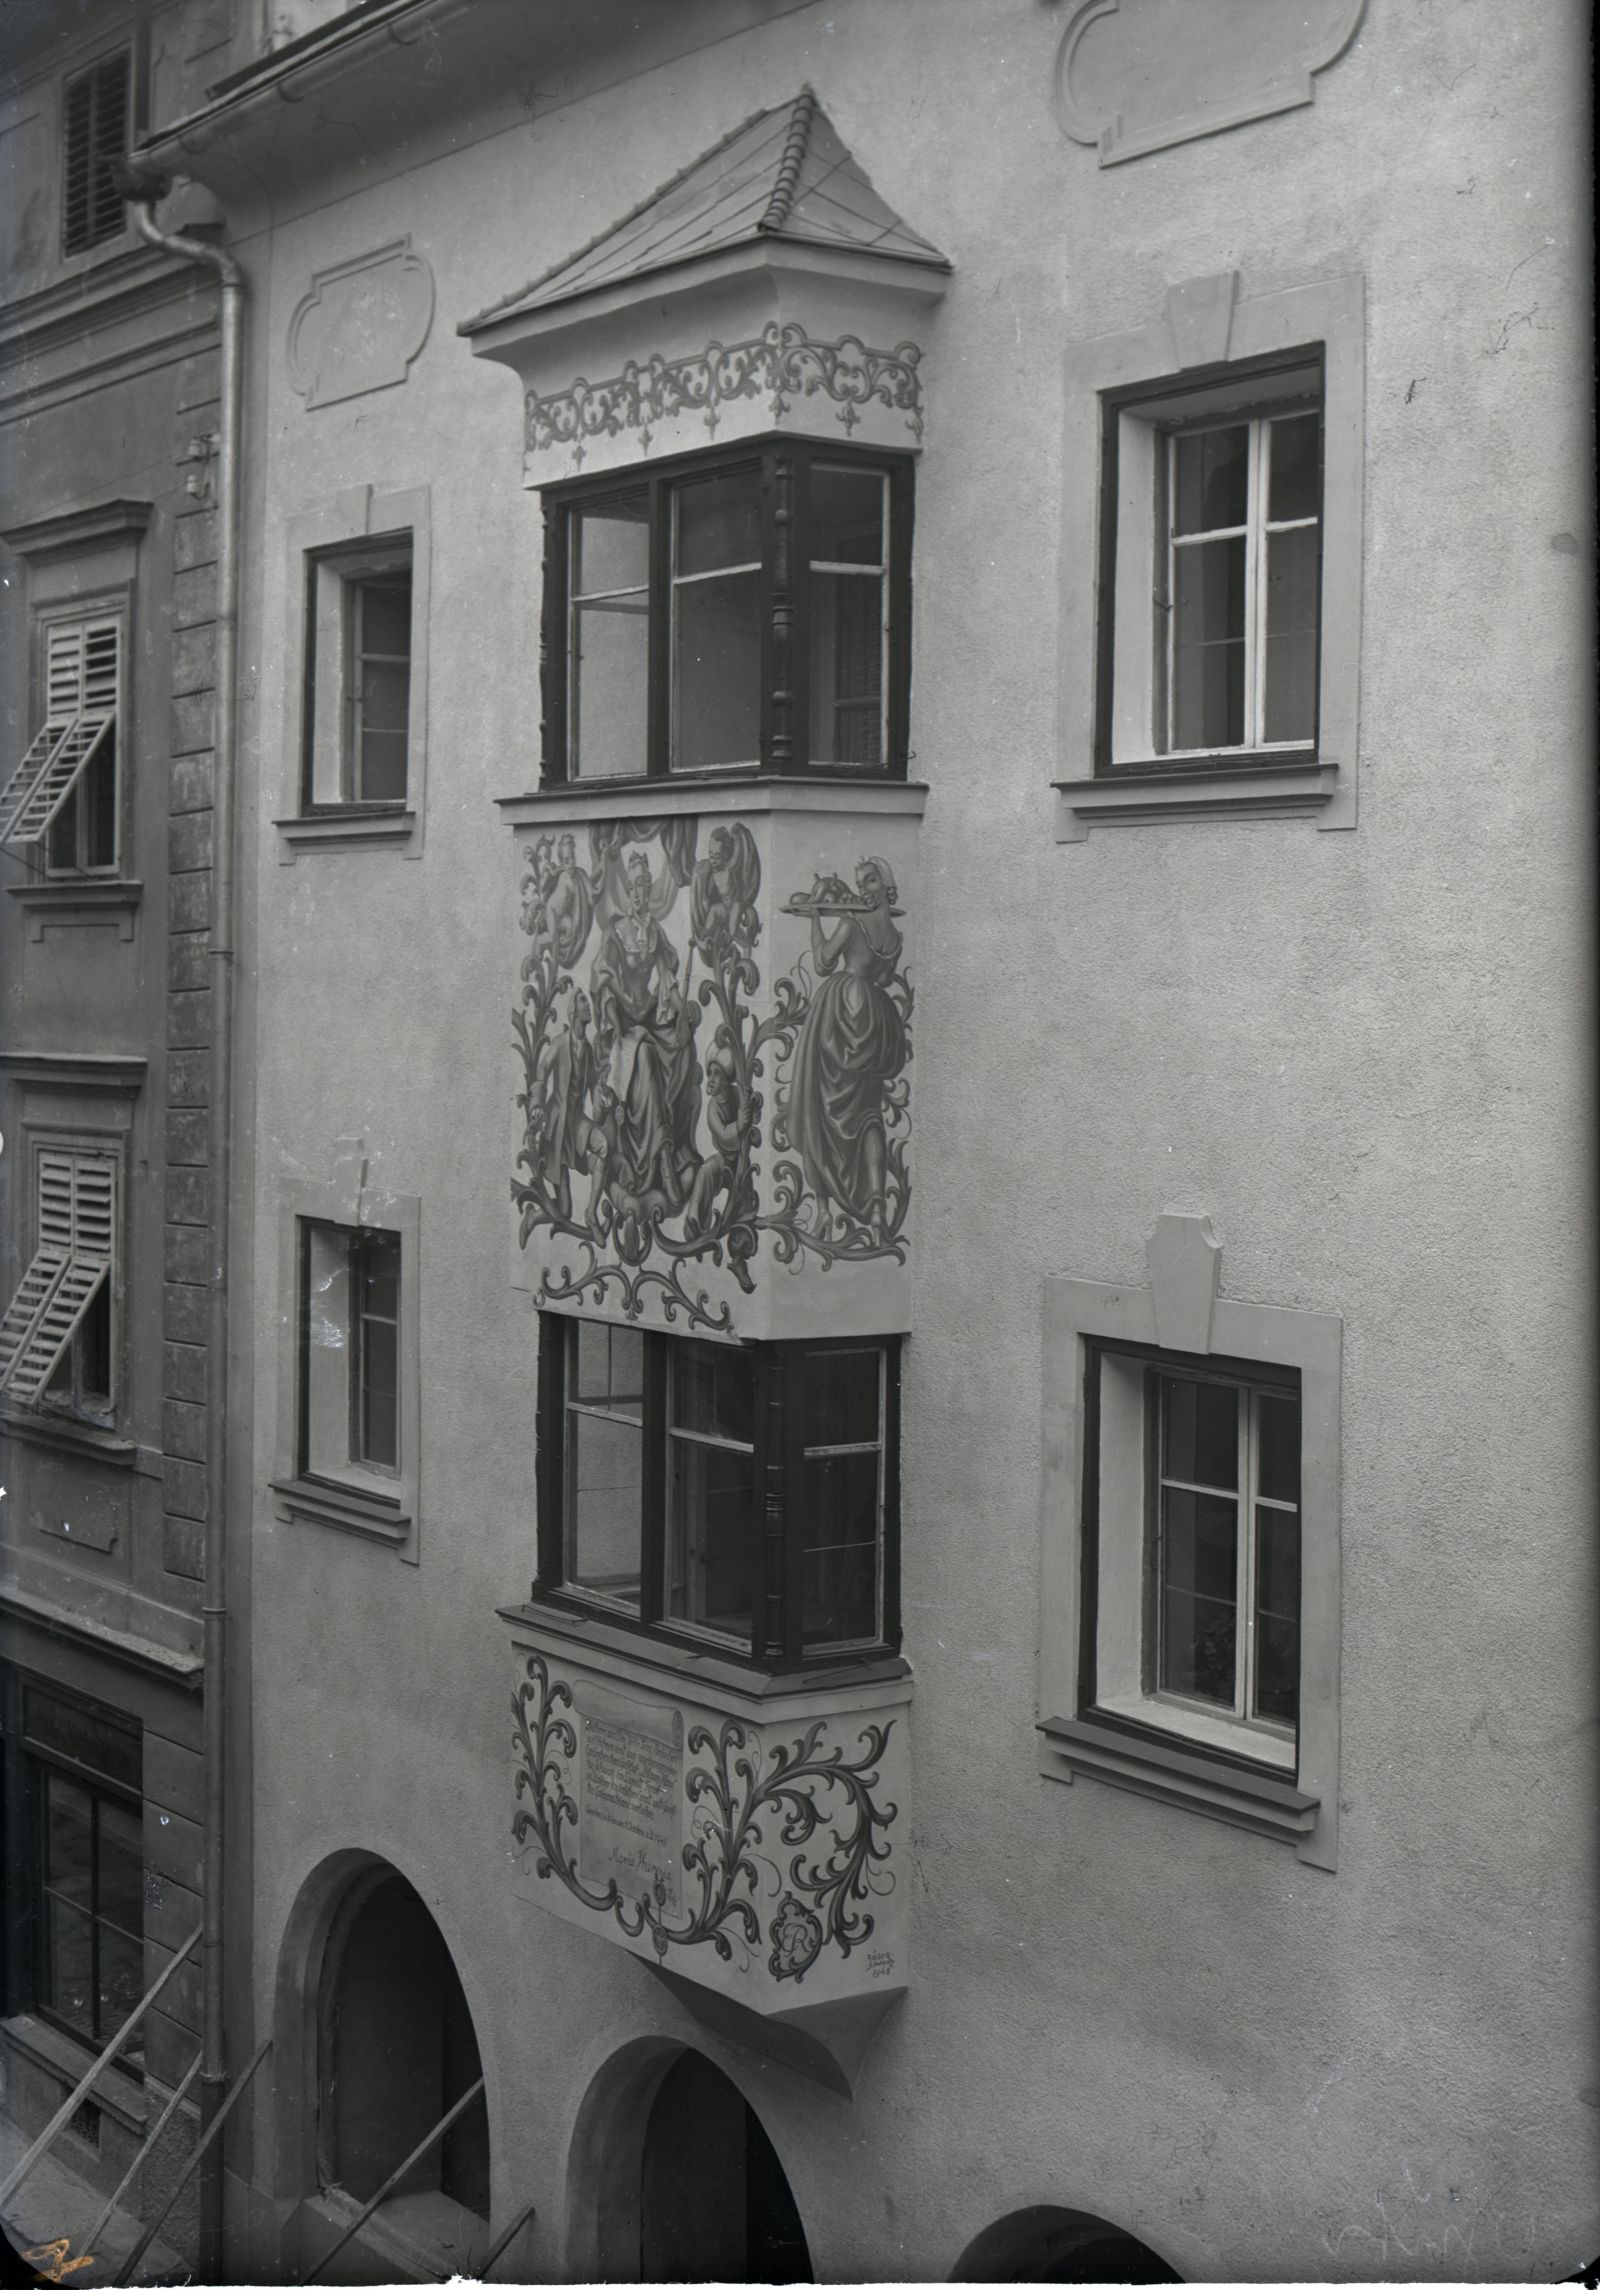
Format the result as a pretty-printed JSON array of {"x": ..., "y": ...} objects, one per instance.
[{"x": 1364, "y": 1054}]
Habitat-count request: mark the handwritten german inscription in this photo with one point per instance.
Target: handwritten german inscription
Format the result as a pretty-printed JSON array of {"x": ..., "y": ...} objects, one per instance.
[{"x": 630, "y": 1829}]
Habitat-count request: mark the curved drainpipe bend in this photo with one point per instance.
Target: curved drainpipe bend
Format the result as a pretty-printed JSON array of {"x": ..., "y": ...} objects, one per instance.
[{"x": 144, "y": 191}]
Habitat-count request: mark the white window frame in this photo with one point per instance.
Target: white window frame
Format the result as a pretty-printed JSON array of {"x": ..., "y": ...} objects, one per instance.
[
  {"x": 339, "y": 1490},
  {"x": 359, "y": 531},
  {"x": 1212, "y": 349},
  {"x": 332, "y": 763},
  {"x": 1095, "y": 1528},
  {"x": 75, "y": 718},
  {"x": 74, "y": 1251}
]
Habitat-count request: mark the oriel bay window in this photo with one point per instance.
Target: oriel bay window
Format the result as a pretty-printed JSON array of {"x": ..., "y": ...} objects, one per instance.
[
  {"x": 741, "y": 1497},
  {"x": 738, "y": 610}
]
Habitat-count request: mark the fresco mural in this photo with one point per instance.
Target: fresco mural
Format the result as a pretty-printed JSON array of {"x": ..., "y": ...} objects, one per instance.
[{"x": 646, "y": 1058}]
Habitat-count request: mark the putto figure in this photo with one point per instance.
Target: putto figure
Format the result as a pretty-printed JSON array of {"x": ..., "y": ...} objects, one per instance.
[{"x": 852, "y": 1046}]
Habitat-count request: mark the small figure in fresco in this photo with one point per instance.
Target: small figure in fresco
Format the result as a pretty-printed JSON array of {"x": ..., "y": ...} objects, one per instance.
[
  {"x": 725, "y": 1110},
  {"x": 723, "y": 891},
  {"x": 645, "y": 1037},
  {"x": 569, "y": 904},
  {"x": 563, "y": 1080},
  {"x": 851, "y": 1045}
]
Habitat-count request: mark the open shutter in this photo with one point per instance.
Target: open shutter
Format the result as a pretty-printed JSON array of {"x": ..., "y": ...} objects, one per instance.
[
  {"x": 77, "y": 1206},
  {"x": 83, "y": 662}
]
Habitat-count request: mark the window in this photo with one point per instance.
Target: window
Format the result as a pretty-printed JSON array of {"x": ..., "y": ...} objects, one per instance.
[
  {"x": 1198, "y": 1620},
  {"x": 350, "y": 1396},
  {"x": 56, "y": 1339},
  {"x": 358, "y": 680},
  {"x": 76, "y": 1916},
  {"x": 1216, "y": 554},
  {"x": 95, "y": 123},
  {"x": 743, "y": 1496},
  {"x": 348, "y": 1363},
  {"x": 1213, "y": 666},
  {"x": 744, "y": 610},
  {"x": 1189, "y": 1647},
  {"x": 64, "y": 790}
]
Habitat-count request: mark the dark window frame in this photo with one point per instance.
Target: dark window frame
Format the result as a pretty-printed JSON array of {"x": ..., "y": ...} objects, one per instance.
[
  {"x": 25, "y": 1762},
  {"x": 1242, "y": 383},
  {"x": 355, "y": 1240},
  {"x": 97, "y": 106},
  {"x": 778, "y": 1520},
  {"x": 1253, "y": 1375},
  {"x": 377, "y": 558},
  {"x": 784, "y": 464}
]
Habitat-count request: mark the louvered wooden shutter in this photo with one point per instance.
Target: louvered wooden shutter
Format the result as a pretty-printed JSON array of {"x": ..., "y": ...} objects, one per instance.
[
  {"x": 76, "y": 1205},
  {"x": 96, "y": 133},
  {"x": 83, "y": 670}
]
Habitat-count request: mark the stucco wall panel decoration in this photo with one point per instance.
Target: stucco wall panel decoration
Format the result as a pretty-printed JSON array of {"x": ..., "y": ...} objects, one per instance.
[
  {"x": 1134, "y": 76},
  {"x": 715, "y": 1083},
  {"x": 680, "y": 402},
  {"x": 361, "y": 326}
]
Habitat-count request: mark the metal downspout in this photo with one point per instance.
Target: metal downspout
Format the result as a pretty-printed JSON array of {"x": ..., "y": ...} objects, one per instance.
[{"x": 144, "y": 192}]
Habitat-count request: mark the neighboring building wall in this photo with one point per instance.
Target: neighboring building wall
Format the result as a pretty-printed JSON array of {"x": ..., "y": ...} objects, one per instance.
[
  {"x": 107, "y": 397},
  {"x": 1359, "y": 1049}
]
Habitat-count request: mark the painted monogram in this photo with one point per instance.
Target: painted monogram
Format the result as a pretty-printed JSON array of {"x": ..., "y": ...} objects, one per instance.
[{"x": 644, "y": 1062}]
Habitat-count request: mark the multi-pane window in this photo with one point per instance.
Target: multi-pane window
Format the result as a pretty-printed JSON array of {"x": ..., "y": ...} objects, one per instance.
[
  {"x": 95, "y": 136},
  {"x": 742, "y": 610},
  {"x": 76, "y": 1921},
  {"x": 738, "y": 1494},
  {"x": 1243, "y": 553},
  {"x": 1194, "y": 1591},
  {"x": 358, "y": 679},
  {"x": 350, "y": 1327},
  {"x": 57, "y": 1334},
  {"x": 1213, "y": 572},
  {"x": 63, "y": 792},
  {"x": 1228, "y": 1542}
]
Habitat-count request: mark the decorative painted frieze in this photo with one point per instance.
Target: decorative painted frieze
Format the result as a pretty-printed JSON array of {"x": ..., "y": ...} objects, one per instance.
[
  {"x": 754, "y": 1851},
  {"x": 686, "y": 399},
  {"x": 714, "y": 1033}
]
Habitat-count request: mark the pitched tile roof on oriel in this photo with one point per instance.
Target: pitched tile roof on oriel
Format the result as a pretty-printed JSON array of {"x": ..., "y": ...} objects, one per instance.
[{"x": 785, "y": 174}]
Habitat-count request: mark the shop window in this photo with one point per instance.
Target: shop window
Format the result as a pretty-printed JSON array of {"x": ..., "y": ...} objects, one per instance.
[
  {"x": 736, "y": 1496},
  {"x": 739, "y": 610},
  {"x": 75, "y": 1914},
  {"x": 58, "y": 1335},
  {"x": 95, "y": 137},
  {"x": 64, "y": 791}
]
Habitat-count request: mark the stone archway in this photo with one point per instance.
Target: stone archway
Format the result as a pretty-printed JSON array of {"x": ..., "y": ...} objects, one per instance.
[
  {"x": 1046, "y": 2244},
  {"x": 674, "y": 2178}
]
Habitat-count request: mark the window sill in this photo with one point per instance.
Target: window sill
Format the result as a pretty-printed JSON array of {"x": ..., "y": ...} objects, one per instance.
[
  {"x": 72, "y": 1437},
  {"x": 1135, "y": 794},
  {"x": 1132, "y": 1757},
  {"x": 78, "y": 901},
  {"x": 118, "y": 2091},
  {"x": 323, "y": 1504},
  {"x": 595, "y": 1632},
  {"x": 347, "y": 830}
]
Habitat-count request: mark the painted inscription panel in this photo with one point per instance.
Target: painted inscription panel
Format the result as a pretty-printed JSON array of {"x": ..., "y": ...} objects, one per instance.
[
  {"x": 630, "y": 1822},
  {"x": 691, "y": 1104}
]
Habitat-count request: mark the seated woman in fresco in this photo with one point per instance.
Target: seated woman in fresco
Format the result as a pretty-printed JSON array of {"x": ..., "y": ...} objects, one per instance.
[
  {"x": 645, "y": 1040},
  {"x": 852, "y": 1044}
]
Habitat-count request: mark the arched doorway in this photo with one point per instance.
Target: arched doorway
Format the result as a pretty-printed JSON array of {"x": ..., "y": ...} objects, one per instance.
[
  {"x": 1043, "y": 2244},
  {"x": 714, "y": 2204},
  {"x": 395, "y": 2049}
]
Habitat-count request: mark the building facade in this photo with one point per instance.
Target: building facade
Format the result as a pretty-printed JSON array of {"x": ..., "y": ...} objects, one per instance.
[{"x": 908, "y": 1541}]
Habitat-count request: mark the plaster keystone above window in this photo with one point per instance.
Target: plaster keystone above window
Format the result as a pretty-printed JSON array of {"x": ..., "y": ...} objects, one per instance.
[{"x": 766, "y": 288}]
